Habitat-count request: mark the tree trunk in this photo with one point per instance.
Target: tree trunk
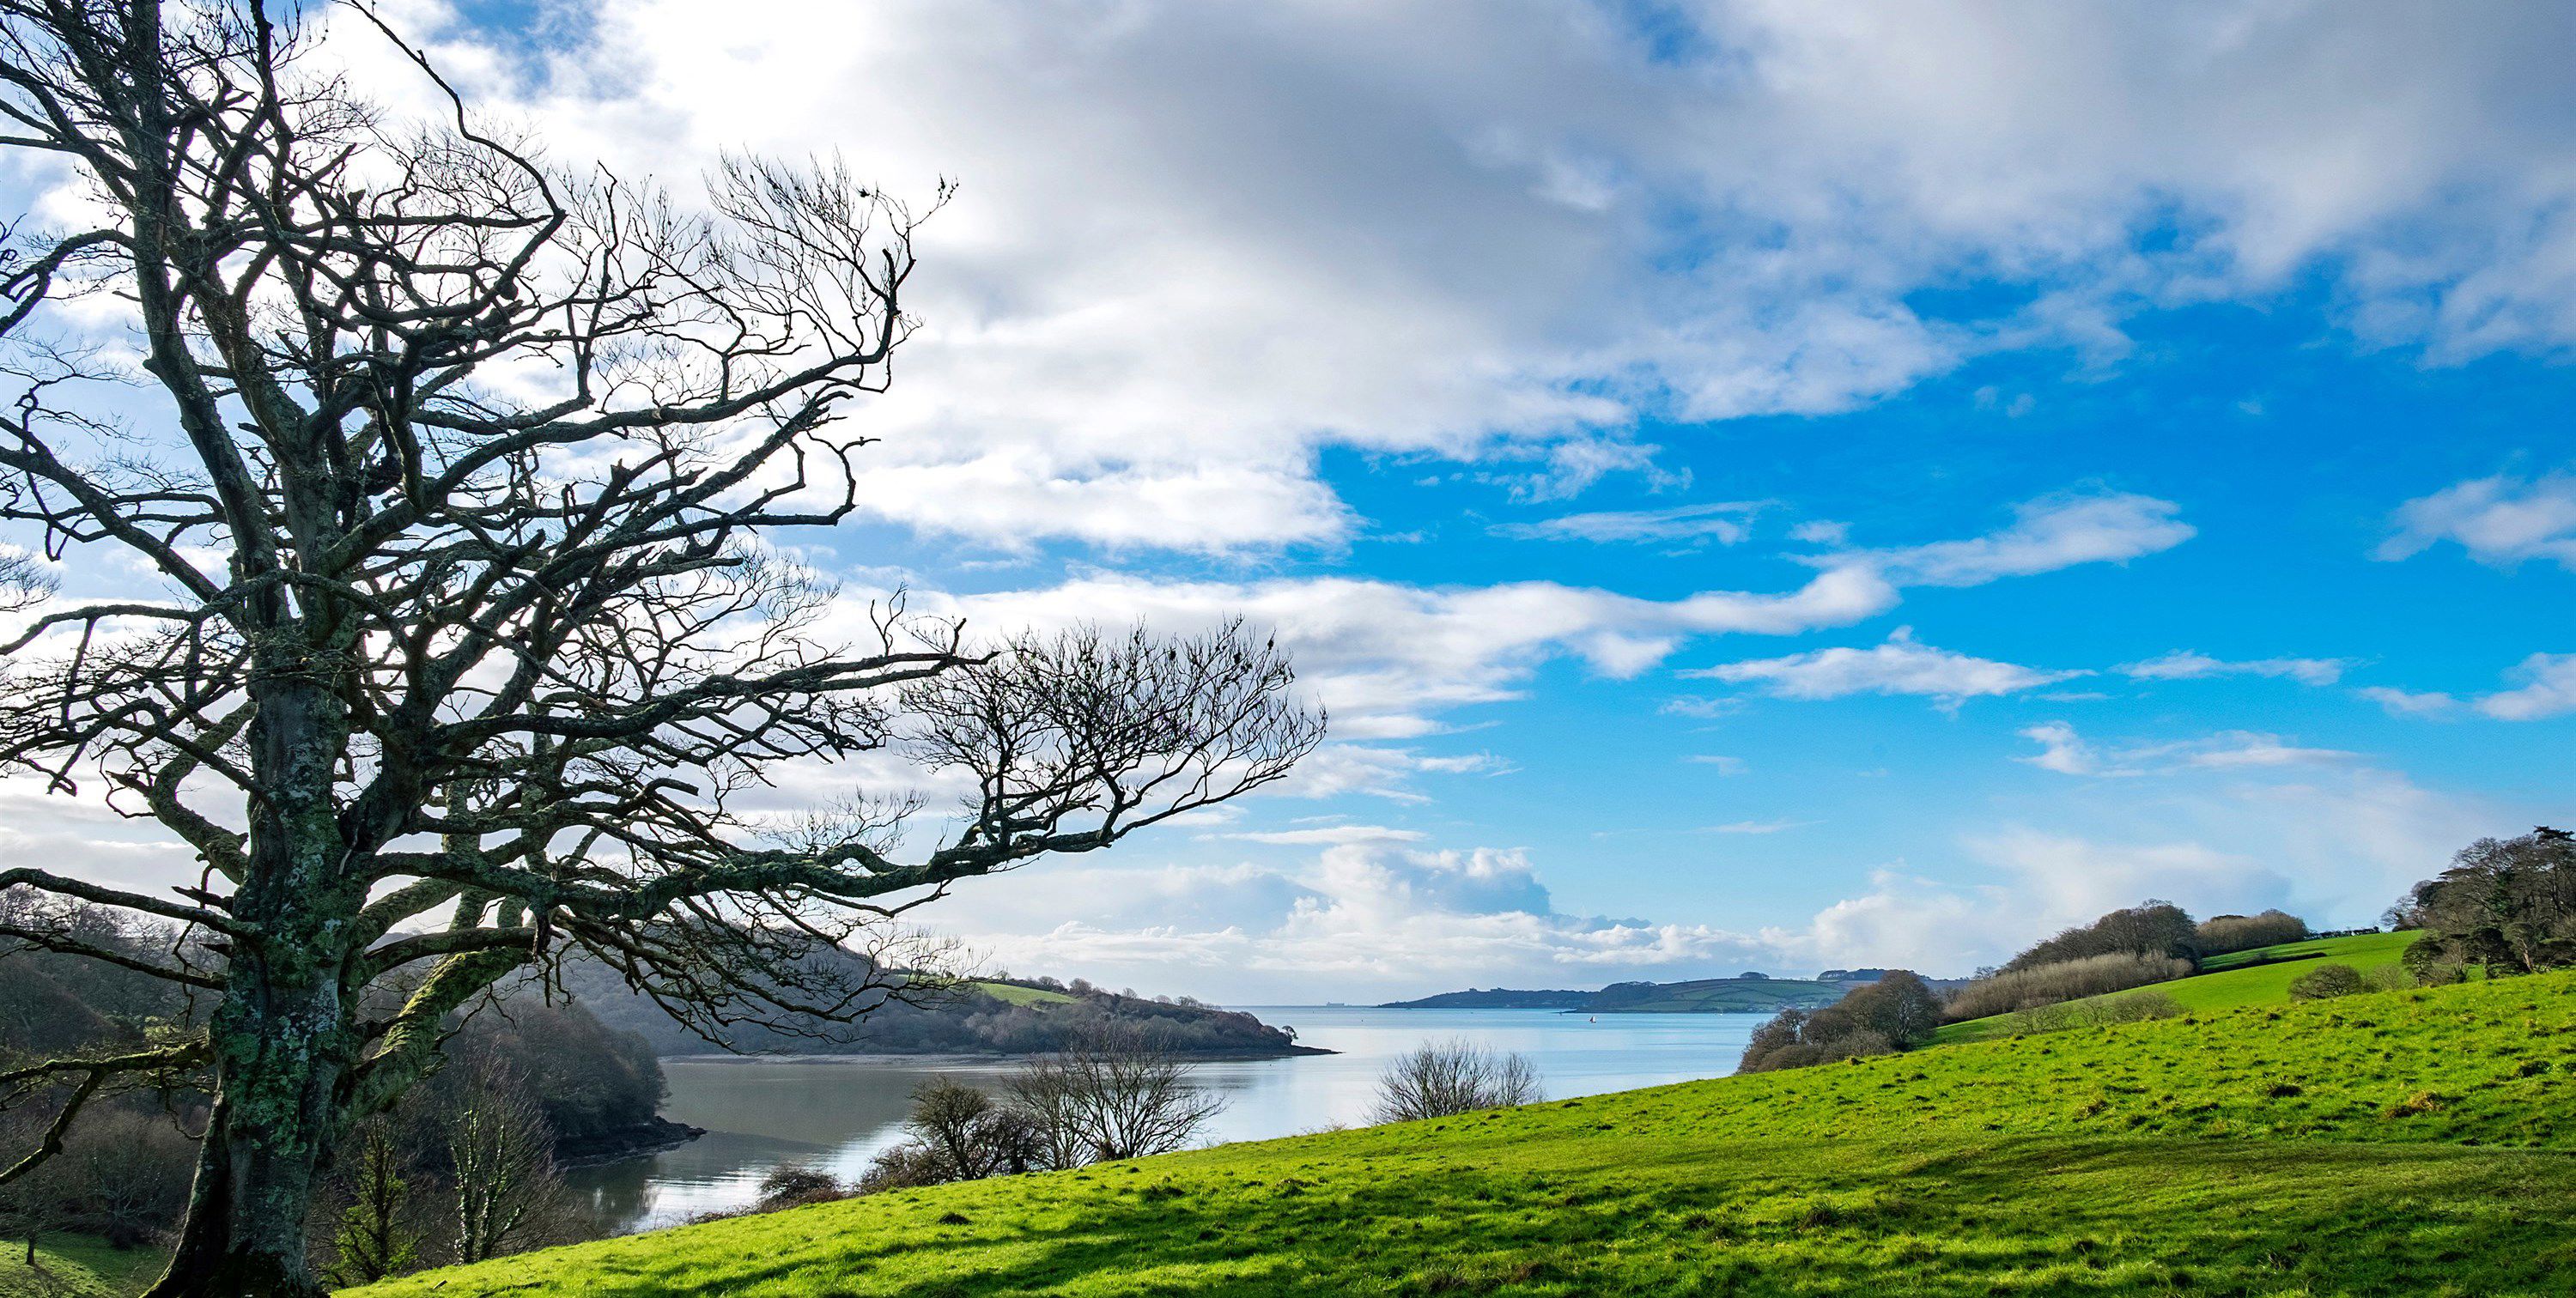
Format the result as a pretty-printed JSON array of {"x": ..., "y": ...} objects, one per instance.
[
  {"x": 281, "y": 1037},
  {"x": 268, "y": 1144}
]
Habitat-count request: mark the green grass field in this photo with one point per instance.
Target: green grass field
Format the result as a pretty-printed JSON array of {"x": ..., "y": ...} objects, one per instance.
[
  {"x": 1014, "y": 994},
  {"x": 76, "y": 1266},
  {"x": 2234, "y": 980},
  {"x": 2397, "y": 1143}
]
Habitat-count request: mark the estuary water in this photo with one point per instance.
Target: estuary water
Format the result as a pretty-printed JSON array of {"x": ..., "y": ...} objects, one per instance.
[{"x": 837, "y": 1113}]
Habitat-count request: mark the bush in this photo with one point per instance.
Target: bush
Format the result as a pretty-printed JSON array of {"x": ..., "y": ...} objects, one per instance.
[
  {"x": 790, "y": 1186},
  {"x": 1897, "y": 1012},
  {"x": 2028, "y": 989},
  {"x": 2220, "y": 934},
  {"x": 1438, "y": 1080},
  {"x": 2327, "y": 981}
]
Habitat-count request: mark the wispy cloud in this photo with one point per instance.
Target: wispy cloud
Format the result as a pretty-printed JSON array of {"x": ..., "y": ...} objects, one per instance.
[
  {"x": 1758, "y": 826},
  {"x": 1900, "y": 666},
  {"x": 2185, "y": 664},
  {"x": 2548, "y": 690},
  {"x": 2067, "y": 752},
  {"x": 1725, "y": 522}
]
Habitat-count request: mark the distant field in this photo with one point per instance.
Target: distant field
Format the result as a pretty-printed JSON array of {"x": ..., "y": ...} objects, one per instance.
[
  {"x": 2237, "y": 981},
  {"x": 75, "y": 1266},
  {"x": 1015, "y": 994},
  {"x": 2302, "y": 1150}
]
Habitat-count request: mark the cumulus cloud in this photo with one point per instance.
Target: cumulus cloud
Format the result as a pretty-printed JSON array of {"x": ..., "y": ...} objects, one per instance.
[
  {"x": 1376, "y": 918},
  {"x": 1198, "y": 245},
  {"x": 1900, "y": 666},
  {"x": 2185, "y": 664},
  {"x": 2501, "y": 521},
  {"x": 2549, "y": 691},
  {"x": 1724, "y": 522}
]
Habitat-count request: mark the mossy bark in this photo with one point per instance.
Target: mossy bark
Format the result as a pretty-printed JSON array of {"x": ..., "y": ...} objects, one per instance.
[{"x": 282, "y": 1038}]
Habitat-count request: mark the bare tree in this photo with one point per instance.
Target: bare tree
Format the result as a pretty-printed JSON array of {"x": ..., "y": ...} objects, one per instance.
[
  {"x": 501, "y": 1153},
  {"x": 1113, "y": 1094},
  {"x": 457, "y": 472},
  {"x": 1440, "y": 1079}
]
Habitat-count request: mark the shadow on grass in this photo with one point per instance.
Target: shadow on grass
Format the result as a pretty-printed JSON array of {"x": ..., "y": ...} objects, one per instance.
[{"x": 2025, "y": 1216}]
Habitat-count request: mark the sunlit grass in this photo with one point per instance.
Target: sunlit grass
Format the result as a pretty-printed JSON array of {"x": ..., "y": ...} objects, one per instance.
[
  {"x": 76, "y": 1266},
  {"x": 2308, "y": 1149}
]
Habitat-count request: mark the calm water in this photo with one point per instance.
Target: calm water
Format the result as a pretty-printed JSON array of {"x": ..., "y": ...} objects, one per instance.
[{"x": 838, "y": 1113}]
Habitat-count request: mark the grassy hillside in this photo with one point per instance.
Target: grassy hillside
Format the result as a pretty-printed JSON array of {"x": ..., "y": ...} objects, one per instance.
[
  {"x": 2257, "y": 977},
  {"x": 1014, "y": 994},
  {"x": 76, "y": 1266},
  {"x": 2357, "y": 1146}
]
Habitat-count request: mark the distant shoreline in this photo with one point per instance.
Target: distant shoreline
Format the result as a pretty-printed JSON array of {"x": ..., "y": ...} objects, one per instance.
[{"x": 882, "y": 1058}]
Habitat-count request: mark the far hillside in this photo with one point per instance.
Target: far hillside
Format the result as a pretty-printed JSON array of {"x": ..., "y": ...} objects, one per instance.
[
  {"x": 2261, "y": 976},
  {"x": 1750, "y": 993},
  {"x": 995, "y": 1016}
]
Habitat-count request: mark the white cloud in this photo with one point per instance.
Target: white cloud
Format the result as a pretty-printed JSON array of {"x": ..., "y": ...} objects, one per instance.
[
  {"x": 1197, "y": 245},
  {"x": 1723, "y": 764},
  {"x": 1756, "y": 826},
  {"x": 1900, "y": 666},
  {"x": 1358, "y": 919},
  {"x": 2046, "y": 535},
  {"x": 2551, "y": 690},
  {"x": 2185, "y": 664},
  {"x": 2500, "y": 521},
  {"x": 2409, "y": 703},
  {"x": 1387, "y": 658},
  {"x": 1723, "y": 522},
  {"x": 2548, "y": 690},
  {"x": 2066, "y": 752},
  {"x": 1323, "y": 836}
]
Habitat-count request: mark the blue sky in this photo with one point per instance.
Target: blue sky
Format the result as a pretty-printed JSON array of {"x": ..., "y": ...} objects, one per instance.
[{"x": 1741, "y": 475}]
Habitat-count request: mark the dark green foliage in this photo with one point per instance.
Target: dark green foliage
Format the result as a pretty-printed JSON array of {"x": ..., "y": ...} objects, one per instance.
[
  {"x": 373, "y": 1240},
  {"x": 1898, "y": 1012},
  {"x": 2221, "y": 934},
  {"x": 2506, "y": 903},
  {"x": 2327, "y": 981}
]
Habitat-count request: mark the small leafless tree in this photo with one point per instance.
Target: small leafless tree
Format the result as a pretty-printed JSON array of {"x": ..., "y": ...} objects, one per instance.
[
  {"x": 1440, "y": 1079},
  {"x": 459, "y": 475},
  {"x": 501, "y": 1155},
  {"x": 1115, "y": 1093}
]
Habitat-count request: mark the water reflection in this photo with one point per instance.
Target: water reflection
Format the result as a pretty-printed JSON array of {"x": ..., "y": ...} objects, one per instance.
[{"x": 839, "y": 1113}]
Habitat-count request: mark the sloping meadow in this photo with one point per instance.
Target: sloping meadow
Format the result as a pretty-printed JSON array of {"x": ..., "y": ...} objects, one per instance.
[{"x": 2399, "y": 1143}]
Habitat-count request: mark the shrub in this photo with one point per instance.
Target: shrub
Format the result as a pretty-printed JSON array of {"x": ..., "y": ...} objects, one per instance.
[
  {"x": 2031, "y": 988},
  {"x": 1438, "y": 1080},
  {"x": 793, "y": 1187},
  {"x": 2327, "y": 981}
]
